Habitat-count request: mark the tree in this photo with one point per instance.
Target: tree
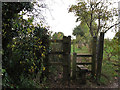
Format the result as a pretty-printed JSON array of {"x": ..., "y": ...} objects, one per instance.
[
  {"x": 90, "y": 11},
  {"x": 111, "y": 48},
  {"x": 56, "y": 46},
  {"x": 9, "y": 13},
  {"x": 78, "y": 31},
  {"x": 82, "y": 34},
  {"x": 117, "y": 35},
  {"x": 58, "y": 35}
]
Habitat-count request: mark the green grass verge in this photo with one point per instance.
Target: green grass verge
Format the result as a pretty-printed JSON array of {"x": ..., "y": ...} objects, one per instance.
[{"x": 83, "y": 49}]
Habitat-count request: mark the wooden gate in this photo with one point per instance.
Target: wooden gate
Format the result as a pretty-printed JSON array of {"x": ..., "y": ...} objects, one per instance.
[{"x": 66, "y": 48}]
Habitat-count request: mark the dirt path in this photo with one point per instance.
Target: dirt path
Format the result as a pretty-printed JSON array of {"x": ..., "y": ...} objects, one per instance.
[
  {"x": 60, "y": 84},
  {"x": 57, "y": 82}
]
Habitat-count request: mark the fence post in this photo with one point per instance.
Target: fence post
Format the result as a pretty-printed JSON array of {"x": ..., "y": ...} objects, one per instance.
[
  {"x": 94, "y": 56},
  {"x": 74, "y": 66},
  {"x": 69, "y": 55},
  {"x": 100, "y": 56},
  {"x": 73, "y": 45},
  {"x": 66, "y": 56}
]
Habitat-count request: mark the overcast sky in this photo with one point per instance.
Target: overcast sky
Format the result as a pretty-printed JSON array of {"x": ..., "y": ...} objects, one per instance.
[
  {"x": 60, "y": 20},
  {"x": 58, "y": 17}
]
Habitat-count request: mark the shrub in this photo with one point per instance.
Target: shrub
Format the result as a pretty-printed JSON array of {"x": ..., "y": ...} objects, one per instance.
[{"x": 29, "y": 49}]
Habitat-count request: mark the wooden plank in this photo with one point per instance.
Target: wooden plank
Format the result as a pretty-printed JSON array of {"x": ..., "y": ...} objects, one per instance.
[
  {"x": 56, "y": 41},
  {"x": 81, "y": 67},
  {"x": 84, "y": 55},
  {"x": 84, "y": 63}
]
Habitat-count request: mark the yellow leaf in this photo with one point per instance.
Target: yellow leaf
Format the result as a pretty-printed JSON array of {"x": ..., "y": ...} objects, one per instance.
[
  {"x": 20, "y": 62},
  {"x": 29, "y": 70},
  {"x": 43, "y": 55},
  {"x": 32, "y": 67},
  {"x": 35, "y": 67},
  {"x": 34, "y": 53},
  {"x": 32, "y": 70},
  {"x": 43, "y": 68},
  {"x": 33, "y": 63}
]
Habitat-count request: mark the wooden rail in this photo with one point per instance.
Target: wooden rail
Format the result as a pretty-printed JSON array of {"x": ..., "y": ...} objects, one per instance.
[
  {"x": 84, "y": 55},
  {"x": 84, "y": 63}
]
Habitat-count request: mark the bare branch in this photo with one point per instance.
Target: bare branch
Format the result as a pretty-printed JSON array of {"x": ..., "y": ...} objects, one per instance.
[
  {"x": 112, "y": 27},
  {"x": 98, "y": 24},
  {"x": 86, "y": 22}
]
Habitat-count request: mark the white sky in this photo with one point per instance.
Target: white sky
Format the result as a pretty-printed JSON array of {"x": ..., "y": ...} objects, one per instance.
[
  {"x": 58, "y": 17},
  {"x": 59, "y": 20}
]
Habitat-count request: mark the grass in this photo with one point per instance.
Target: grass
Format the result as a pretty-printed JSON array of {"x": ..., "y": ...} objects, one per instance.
[{"x": 79, "y": 50}]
